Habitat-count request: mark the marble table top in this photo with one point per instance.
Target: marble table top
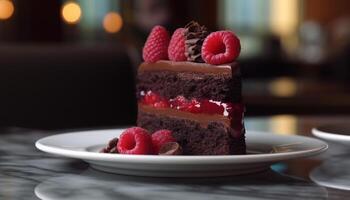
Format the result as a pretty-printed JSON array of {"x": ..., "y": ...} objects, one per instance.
[{"x": 26, "y": 173}]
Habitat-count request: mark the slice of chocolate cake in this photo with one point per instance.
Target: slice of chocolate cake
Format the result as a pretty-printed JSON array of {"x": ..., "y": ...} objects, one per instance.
[{"x": 200, "y": 103}]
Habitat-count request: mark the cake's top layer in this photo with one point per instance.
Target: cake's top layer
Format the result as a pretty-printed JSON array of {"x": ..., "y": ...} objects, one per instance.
[
  {"x": 169, "y": 84},
  {"x": 230, "y": 69}
]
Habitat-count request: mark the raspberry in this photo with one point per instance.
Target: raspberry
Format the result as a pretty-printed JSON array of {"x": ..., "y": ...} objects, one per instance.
[
  {"x": 183, "y": 104},
  {"x": 153, "y": 99},
  {"x": 161, "y": 137},
  {"x": 193, "y": 106},
  {"x": 161, "y": 104},
  {"x": 135, "y": 140},
  {"x": 150, "y": 98},
  {"x": 156, "y": 46},
  {"x": 211, "y": 107},
  {"x": 178, "y": 103},
  {"x": 220, "y": 47},
  {"x": 176, "y": 49}
]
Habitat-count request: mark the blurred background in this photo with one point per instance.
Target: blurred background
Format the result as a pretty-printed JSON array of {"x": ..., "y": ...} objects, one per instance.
[{"x": 72, "y": 64}]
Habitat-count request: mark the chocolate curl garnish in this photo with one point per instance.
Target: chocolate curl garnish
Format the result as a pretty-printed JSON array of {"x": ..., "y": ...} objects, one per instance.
[
  {"x": 170, "y": 148},
  {"x": 111, "y": 147},
  {"x": 194, "y": 37}
]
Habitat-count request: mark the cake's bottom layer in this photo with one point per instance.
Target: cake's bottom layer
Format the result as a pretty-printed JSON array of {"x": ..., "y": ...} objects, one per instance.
[{"x": 215, "y": 139}]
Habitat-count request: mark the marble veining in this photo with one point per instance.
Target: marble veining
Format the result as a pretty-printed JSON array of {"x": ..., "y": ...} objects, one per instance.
[
  {"x": 92, "y": 184},
  {"x": 26, "y": 173}
]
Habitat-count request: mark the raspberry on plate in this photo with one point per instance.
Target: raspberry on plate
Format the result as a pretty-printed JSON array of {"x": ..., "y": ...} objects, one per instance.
[
  {"x": 156, "y": 46},
  {"x": 135, "y": 140},
  {"x": 220, "y": 47},
  {"x": 161, "y": 137},
  {"x": 176, "y": 49}
]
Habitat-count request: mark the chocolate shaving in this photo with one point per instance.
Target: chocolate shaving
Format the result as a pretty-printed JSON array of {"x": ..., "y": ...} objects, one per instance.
[
  {"x": 170, "y": 148},
  {"x": 194, "y": 37},
  {"x": 111, "y": 147}
]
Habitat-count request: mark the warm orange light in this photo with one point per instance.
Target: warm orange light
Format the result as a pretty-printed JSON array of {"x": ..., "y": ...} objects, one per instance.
[
  {"x": 6, "y": 9},
  {"x": 283, "y": 87},
  {"x": 71, "y": 12},
  {"x": 284, "y": 16},
  {"x": 283, "y": 124},
  {"x": 112, "y": 22}
]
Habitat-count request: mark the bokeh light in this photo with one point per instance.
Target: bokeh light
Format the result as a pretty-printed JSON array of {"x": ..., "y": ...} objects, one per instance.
[
  {"x": 283, "y": 124},
  {"x": 284, "y": 16},
  {"x": 283, "y": 87},
  {"x": 112, "y": 22},
  {"x": 71, "y": 12},
  {"x": 6, "y": 9}
]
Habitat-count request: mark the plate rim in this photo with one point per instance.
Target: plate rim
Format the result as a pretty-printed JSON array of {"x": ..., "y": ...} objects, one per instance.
[
  {"x": 194, "y": 160},
  {"x": 313, "y": 176},
  {"x": 329, "y": 135}
]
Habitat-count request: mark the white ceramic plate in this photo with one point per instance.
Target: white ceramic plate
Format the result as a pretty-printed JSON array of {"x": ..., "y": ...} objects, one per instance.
[
  {"x": 334, "y": 132},
  {"x": 263, "y": 150},
  {"x": 333, "y": 173}
]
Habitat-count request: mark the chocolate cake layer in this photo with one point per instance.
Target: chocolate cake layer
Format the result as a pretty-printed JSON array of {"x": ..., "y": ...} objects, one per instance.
[
  {"x": 215, "y": 139},
  {"x": 191, "y": 84}
]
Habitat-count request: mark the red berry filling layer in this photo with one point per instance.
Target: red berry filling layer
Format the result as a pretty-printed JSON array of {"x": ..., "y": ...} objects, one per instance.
[{"x": 191, "y": 105}]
